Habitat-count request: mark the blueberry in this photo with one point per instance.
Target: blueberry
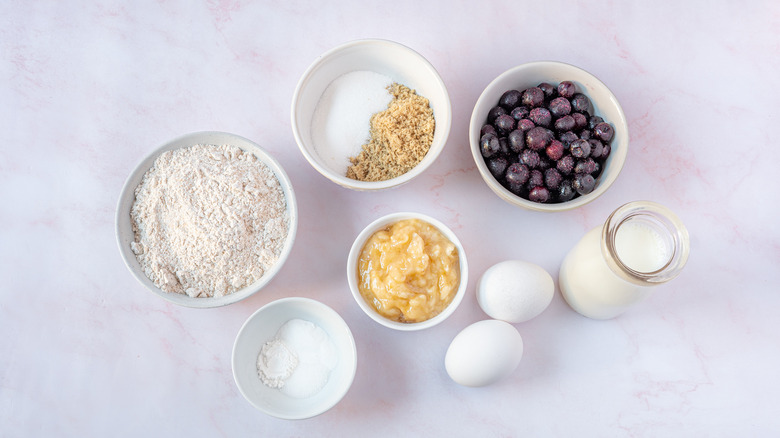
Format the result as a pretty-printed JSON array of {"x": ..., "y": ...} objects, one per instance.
[
  {"x": 539, "y": 194},
  {"x": 580, "y": 102},
  {"x": 555, "y": 150},
  {"x": 587, "y": 165},
  {"x": 494, "y": 113},
  {"x": 567, "y": 138},
  {"x": 489, "y": 145},
  {"x": 603, "y": 131},
  {"x": 596, "y": 148},
  {"x": 517, "y": 174},
  {"x": 487, "y": 129},
  {"x": 521, "y": 112},
  {"x": 580, "y": 148},
  {"x": 567, "y": 89},
  {"x": 585, "y": 134},
  {"x": 565, "y": 191},
  {"x": 516, "y": 141},
  {"x": 565, "y": 165},
  {"x": 525, "y": 125},
  {"x": 593, "y": 121},
  {"x": 538, "y": 138},
  {"x": 533, "y": 97},
  {"x": 504, "y": 123},
  {"x": 510, "y": 99},
  {"x": 584, "y": 184},
  {"x": 535, "y": 179},
  {"x": 548, "y": 90},
  {"x": 552, "y": 178},
  {"x": 580, "y": 121},
  {"x": 540, "y": 116},
  {"x": 565, "y": 123},
  {"x": 560, "y": 107},
  {"x": 529, "y": 158},
  {"x": 497, "y": 166}
]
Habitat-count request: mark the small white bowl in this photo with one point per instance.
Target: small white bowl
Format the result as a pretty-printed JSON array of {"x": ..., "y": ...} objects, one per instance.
[
  {"x": 124, "y": 228},
  {"x": 261, "y": 328},
  {"x": 352, "y": 276},
  {"x": 388, "y": 58},
  {"x": 604, "y": 103}
]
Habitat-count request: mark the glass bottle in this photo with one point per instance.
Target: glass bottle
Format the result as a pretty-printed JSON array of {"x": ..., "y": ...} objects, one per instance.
[{"x": 642, "y": 244}]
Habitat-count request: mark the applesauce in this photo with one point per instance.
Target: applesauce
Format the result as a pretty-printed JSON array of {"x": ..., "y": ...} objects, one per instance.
[{"x": 409, "y": 271}]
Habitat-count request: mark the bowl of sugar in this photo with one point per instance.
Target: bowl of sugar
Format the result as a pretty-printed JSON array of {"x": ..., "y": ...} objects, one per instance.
[
  {"x": 371, "y": 114},
  {"x": 294, "y": 358}
]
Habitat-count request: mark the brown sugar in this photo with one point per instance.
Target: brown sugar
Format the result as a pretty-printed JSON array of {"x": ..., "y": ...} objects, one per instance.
[{"x": 400, "y": 137}]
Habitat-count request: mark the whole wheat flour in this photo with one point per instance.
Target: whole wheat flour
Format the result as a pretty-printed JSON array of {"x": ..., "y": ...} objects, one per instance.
[{"x": 208, "y": 220}]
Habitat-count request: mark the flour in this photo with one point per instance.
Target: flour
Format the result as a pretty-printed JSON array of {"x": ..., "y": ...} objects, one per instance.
[{"x": 208, "y": 220}]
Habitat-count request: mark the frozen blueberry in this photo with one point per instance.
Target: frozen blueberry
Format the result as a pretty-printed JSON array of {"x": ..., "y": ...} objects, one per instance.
[
  {"x": 565, "y": 165},
  {"x": 552, "y": 178},
  {"x": 529, "y": 158},
  {"x": 538, "y": 138},
  {"x": 580, "y": 102},
  {"x": 532, "y": 97},
  {"x": 564, "y": 124},
  {"x": 521, "y": 112},
  {"x": 584, "y": 183},
  {"x": 555, "y": 150},
  {"x": 593, "y": 121},
  {"x": 535, "y": 179},
  {"x": 565, "y": 191},
  {"x": 567, "y": 89},
  {"x": 596, "y": 148},
  {"x": 540, "y": 116},
  {"x": 516, "y": 141},
  {"x": 539, "y": 194},
  {"x": 525, "y": 125},
  {"x": 587, "y": 165},
  {"x": 603, "y": 131},
  {"x": 504, "y": 123},
  {"x": 487, "y": 129},
  {"x": 517, "y": 174},
  {"x": 548, "y": 90},
  {"x": 567, "y": 138},
  {"x": 510, "y": 99},
  {"x": 497, "y": 166},
  {"x": 560, "y": 107},
  {"x": 580, "y": 148},
  {"x": 489, "y": 145},
  {"x": 580, "y": 121}
]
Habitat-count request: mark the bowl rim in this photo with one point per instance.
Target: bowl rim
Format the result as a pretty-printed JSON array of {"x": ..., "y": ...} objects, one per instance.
[
  {"x": 342, "y": 180},
  {"x": 297, "y": 302},
  {"x": 360, "y": 241},
  {"x": 617, "y": 158},
  {"x": 127, "y": 198}
]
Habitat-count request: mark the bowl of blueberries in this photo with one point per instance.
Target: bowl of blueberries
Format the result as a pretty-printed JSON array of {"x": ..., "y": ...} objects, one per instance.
[{"x": 548, "y": 136}]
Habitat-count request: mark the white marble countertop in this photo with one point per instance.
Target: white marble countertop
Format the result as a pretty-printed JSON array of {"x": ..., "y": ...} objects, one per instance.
[{"x": 89, "y": 88}]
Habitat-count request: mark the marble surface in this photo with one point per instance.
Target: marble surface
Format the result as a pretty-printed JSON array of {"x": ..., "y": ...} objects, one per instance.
[{"x": 88, "y": 88}]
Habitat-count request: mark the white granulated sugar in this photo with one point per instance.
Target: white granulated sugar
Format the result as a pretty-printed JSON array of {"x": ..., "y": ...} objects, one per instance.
[
  {"x": 342, "y": 118},
  {"x": 208, "y": 220}
]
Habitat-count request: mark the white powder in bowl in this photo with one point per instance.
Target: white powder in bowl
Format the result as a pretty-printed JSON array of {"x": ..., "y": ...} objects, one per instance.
[
  {"x": 342, "y": 118},
  {"x": 208, "y": 220}
]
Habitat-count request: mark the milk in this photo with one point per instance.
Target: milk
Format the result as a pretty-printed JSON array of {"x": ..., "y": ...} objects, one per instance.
[{"x": 592, "y": 288}]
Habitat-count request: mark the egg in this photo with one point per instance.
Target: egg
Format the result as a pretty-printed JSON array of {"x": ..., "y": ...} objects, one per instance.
[
  {"x": 484, "y": 353},
  {"x": 515, "y": 291}
]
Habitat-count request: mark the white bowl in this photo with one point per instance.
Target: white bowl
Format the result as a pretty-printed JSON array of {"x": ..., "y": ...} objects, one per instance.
[
  {"x": 388, "y": 58},
  {"x": 352, "y": 276},
  {"x": 604, "y": 103},
  {"x": 261, "y": 327},
  {"x": 124, "y": 228}
]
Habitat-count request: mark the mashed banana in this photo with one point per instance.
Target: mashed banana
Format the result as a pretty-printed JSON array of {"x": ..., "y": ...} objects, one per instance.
[{"x": 409, "y": 272}]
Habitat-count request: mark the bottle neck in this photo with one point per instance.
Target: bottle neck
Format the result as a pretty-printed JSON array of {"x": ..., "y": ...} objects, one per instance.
[{"x": 645, "y": 243}]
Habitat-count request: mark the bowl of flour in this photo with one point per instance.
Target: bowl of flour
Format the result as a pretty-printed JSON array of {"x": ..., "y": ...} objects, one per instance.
[
  {"x": 206, "y": 219},
  {"x": 371, "y": 114}
]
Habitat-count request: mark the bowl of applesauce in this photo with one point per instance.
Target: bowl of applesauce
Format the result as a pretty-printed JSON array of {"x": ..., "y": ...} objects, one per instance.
[{"x": 407, "y": 271}]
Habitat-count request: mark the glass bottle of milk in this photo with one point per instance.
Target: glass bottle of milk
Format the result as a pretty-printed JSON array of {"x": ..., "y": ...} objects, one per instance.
[{"x": 641, "y": 244}]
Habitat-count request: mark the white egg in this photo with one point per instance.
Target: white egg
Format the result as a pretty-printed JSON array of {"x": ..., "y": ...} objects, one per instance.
[
  {"x": 515, "y": 291},
  {"x": 483, "y": 353}
]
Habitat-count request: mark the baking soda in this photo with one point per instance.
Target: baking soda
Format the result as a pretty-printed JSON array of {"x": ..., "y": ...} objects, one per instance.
[
  {"x": 298, "y": 360},
  {"x": 341, "y": 122}
]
